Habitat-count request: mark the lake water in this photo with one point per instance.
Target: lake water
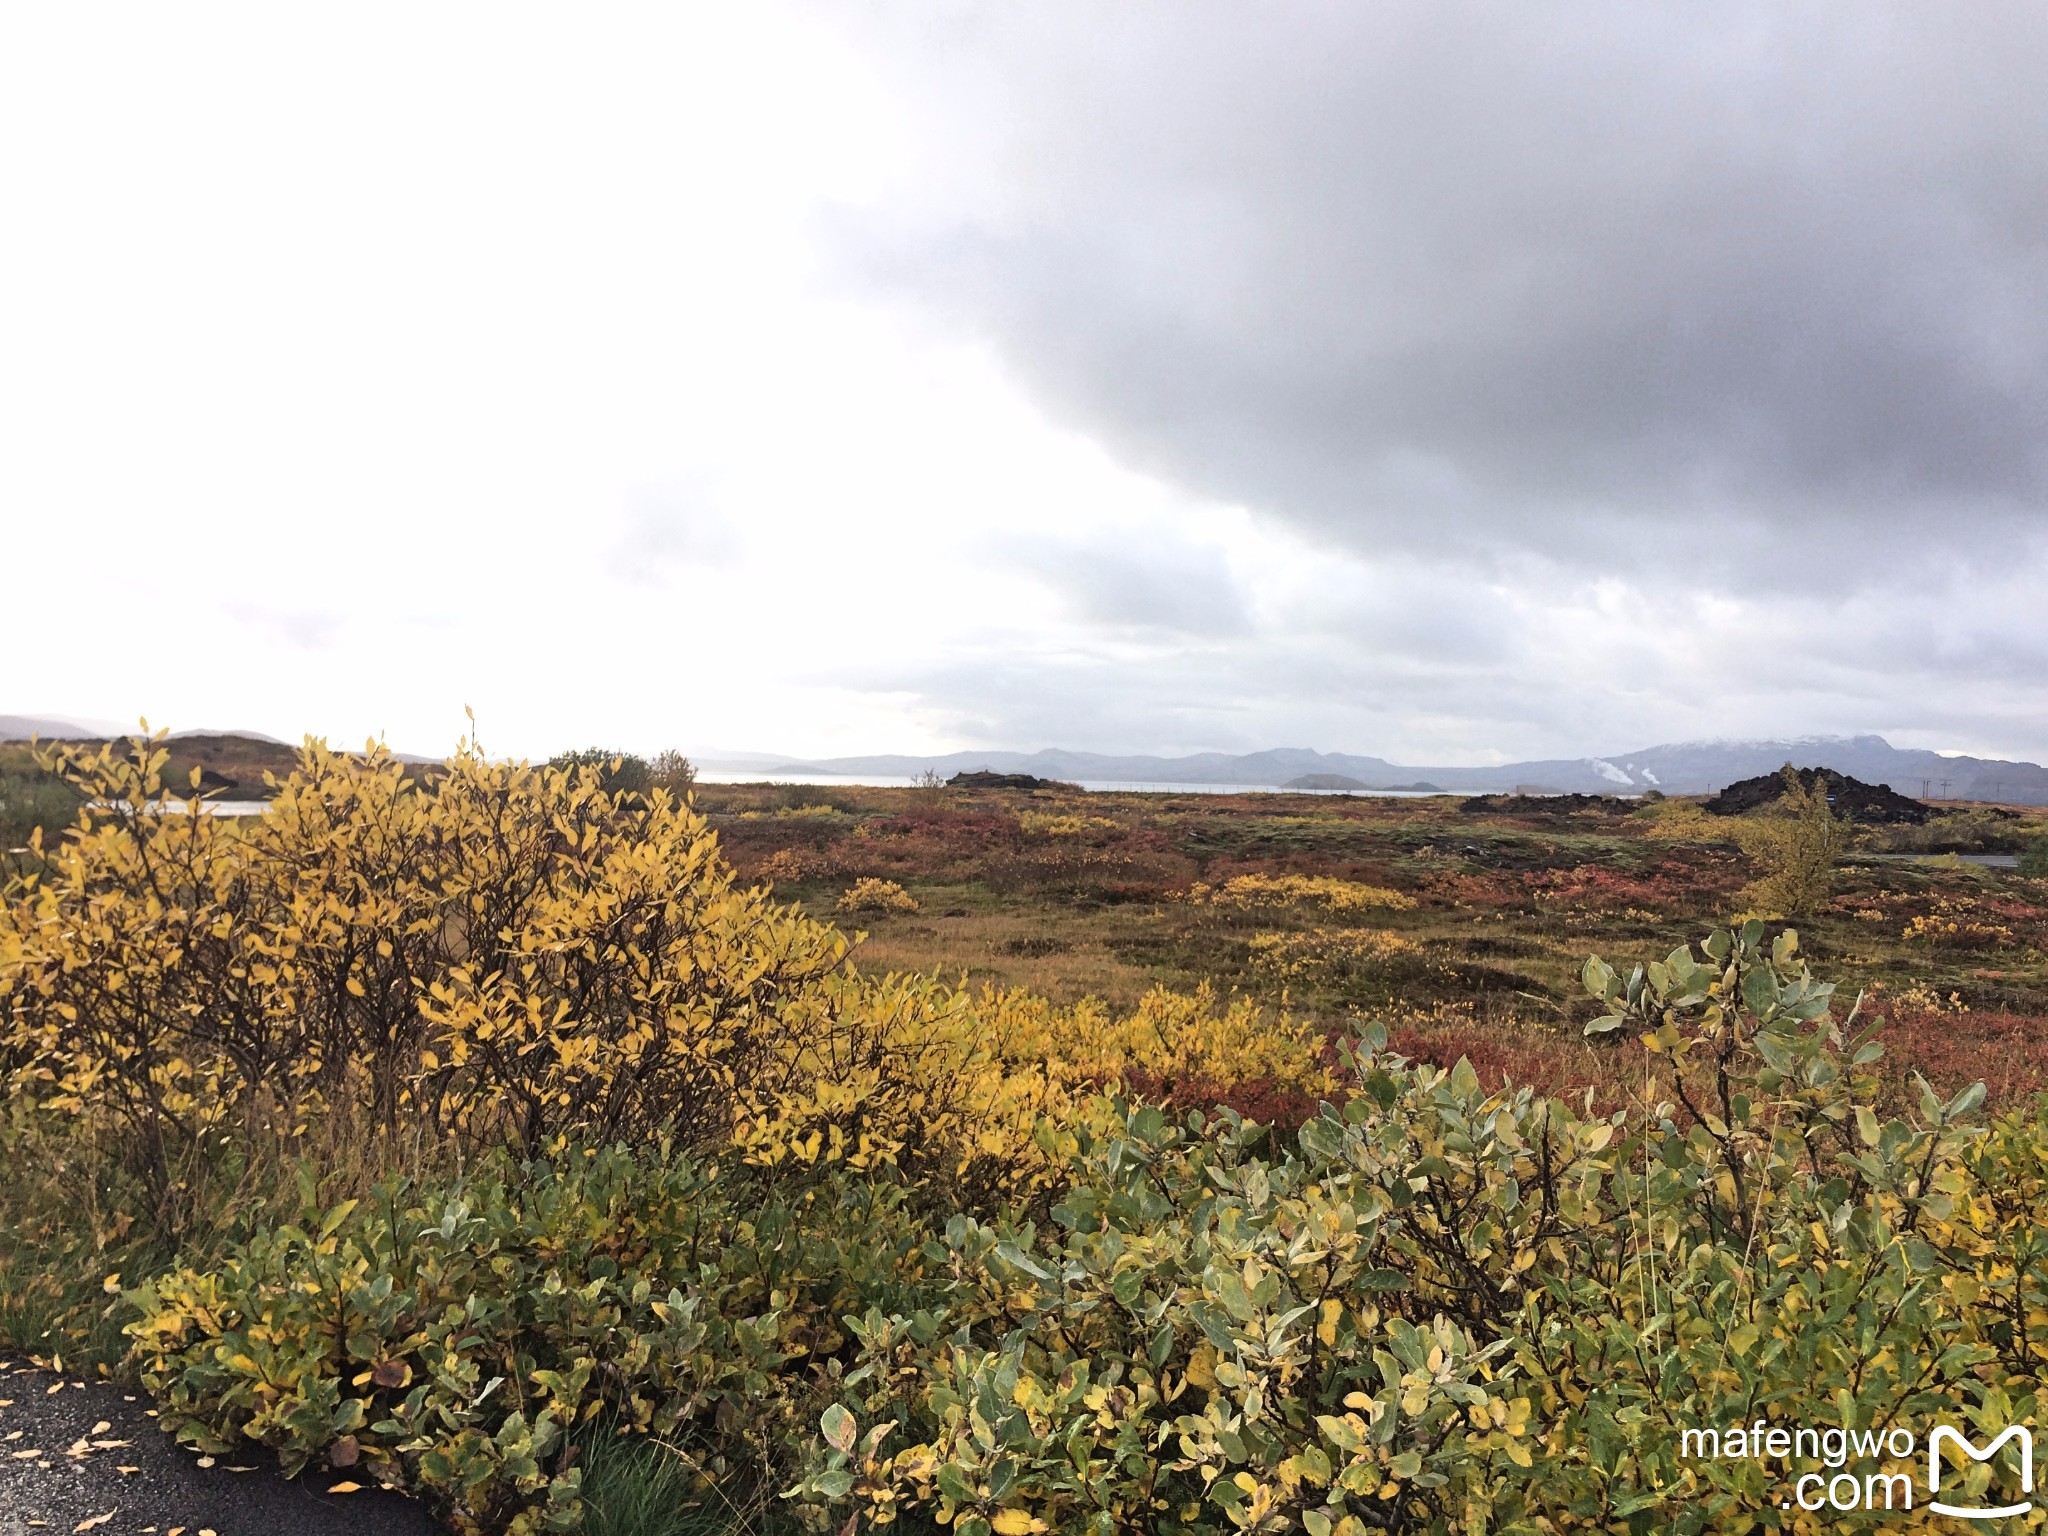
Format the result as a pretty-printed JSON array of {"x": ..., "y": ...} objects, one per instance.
[
  {"x": 900, "y": 781},
  {"x": 888, "y": 781}
]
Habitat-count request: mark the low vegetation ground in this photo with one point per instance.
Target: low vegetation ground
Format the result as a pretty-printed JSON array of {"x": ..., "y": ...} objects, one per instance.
[{"x": 1073, "y": 894}]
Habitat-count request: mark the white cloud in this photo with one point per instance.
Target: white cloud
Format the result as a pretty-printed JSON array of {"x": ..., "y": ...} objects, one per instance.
[{"x": 357, "y": 368}]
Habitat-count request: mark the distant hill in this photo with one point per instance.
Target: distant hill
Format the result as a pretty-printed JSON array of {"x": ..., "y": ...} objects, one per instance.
[
  {"x": 51, "y": 728},
  {"x": 1679, "y": 768},
  {"x": 231, "y": 764}
]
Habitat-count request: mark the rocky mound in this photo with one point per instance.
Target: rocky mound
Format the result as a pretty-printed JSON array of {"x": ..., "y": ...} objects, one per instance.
[
  {"x": 981, "y": 778},
  {"x": 1869, "y": 804}
]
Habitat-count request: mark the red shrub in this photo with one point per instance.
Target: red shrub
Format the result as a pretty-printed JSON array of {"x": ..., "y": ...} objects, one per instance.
[
  {"x": 1286, "y": 1109},
  {"x": 1490, "y": 889},
  {"x": 1953, "y": 1050},
  {"x": 1532, "y": 1057}
]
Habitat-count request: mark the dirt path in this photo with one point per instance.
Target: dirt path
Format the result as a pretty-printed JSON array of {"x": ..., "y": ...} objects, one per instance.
[{"x": 81, "y": 1456}]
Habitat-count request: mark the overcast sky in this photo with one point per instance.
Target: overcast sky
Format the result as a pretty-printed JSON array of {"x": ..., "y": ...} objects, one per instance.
[{"x": 1451, "y": 383}]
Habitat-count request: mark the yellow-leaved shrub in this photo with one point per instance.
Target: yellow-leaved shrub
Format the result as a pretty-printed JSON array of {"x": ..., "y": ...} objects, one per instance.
[
  {"x": 501, "y": 953},
  {"x": 493, "y": 952},
  {"x": 869, "y": 894},
  {"x": 1325, "y": 955},
  {"x": 1325, "y": 891},
  {"x": 968, "y": 1091}
]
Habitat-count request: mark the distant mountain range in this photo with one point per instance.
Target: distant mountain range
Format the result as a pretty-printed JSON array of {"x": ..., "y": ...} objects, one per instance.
[
  {"x": 1679, "y": 768},
  {"x": 51, "y": 728}
]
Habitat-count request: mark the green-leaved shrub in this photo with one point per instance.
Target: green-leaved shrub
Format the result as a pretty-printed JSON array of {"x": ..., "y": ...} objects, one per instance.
[
  {"x": 457, "y": 1340},
  {"x": 1441, "y": 1309}
]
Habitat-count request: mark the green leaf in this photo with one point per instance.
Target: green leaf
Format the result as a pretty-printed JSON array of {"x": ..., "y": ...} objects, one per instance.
[
  {"x": 336, "y": 1217},
  {"x": 954, "y": 1485},
  {"x": 839, "y": 1428},
  {"x": 835, "y": 1484},
  {"x": 1964, "y": 1102}
]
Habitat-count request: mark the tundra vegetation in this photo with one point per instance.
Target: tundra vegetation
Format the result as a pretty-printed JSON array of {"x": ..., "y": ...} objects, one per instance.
[{"x": 516, "y": 1136}]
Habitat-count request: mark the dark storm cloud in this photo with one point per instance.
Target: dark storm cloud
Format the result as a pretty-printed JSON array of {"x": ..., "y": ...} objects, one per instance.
[{"x": 1642, "y": 279}]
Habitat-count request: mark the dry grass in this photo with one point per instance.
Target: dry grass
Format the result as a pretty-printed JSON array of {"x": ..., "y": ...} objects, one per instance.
[{"x": 1008, "y": 948}]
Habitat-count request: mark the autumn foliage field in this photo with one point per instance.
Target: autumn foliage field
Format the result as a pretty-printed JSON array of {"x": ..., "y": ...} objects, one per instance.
[
  {"x": 1005, "y": 1162},
  {"x": 1476, "y": 954}
]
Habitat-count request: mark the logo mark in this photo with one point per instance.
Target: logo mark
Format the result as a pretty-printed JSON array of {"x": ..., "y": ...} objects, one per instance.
[{"x": 1942, "y": 1432}]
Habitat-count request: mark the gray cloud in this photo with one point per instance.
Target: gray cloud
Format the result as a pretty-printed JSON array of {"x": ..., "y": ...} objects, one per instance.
[
  {"x": 1163, "y": 586},
  {"x": 1628, "y": 282},
  {"x": 1398, "y": 659}
]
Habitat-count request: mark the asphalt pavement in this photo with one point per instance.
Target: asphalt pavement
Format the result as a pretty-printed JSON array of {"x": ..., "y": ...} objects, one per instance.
[{"x": 88, "y": 1456}]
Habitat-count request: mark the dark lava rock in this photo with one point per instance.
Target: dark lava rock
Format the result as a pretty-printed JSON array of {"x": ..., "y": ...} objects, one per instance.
[
  {"x": 1870, "y": 804},
  {"x": 981, "y": 778},
  {"x": 1548, "y": 805}
]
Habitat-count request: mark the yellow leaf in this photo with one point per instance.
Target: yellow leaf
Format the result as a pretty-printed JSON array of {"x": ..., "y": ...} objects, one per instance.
[
  {"x": 1015, "y": 1522},
  {"x": 346, "y": 1488}
]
